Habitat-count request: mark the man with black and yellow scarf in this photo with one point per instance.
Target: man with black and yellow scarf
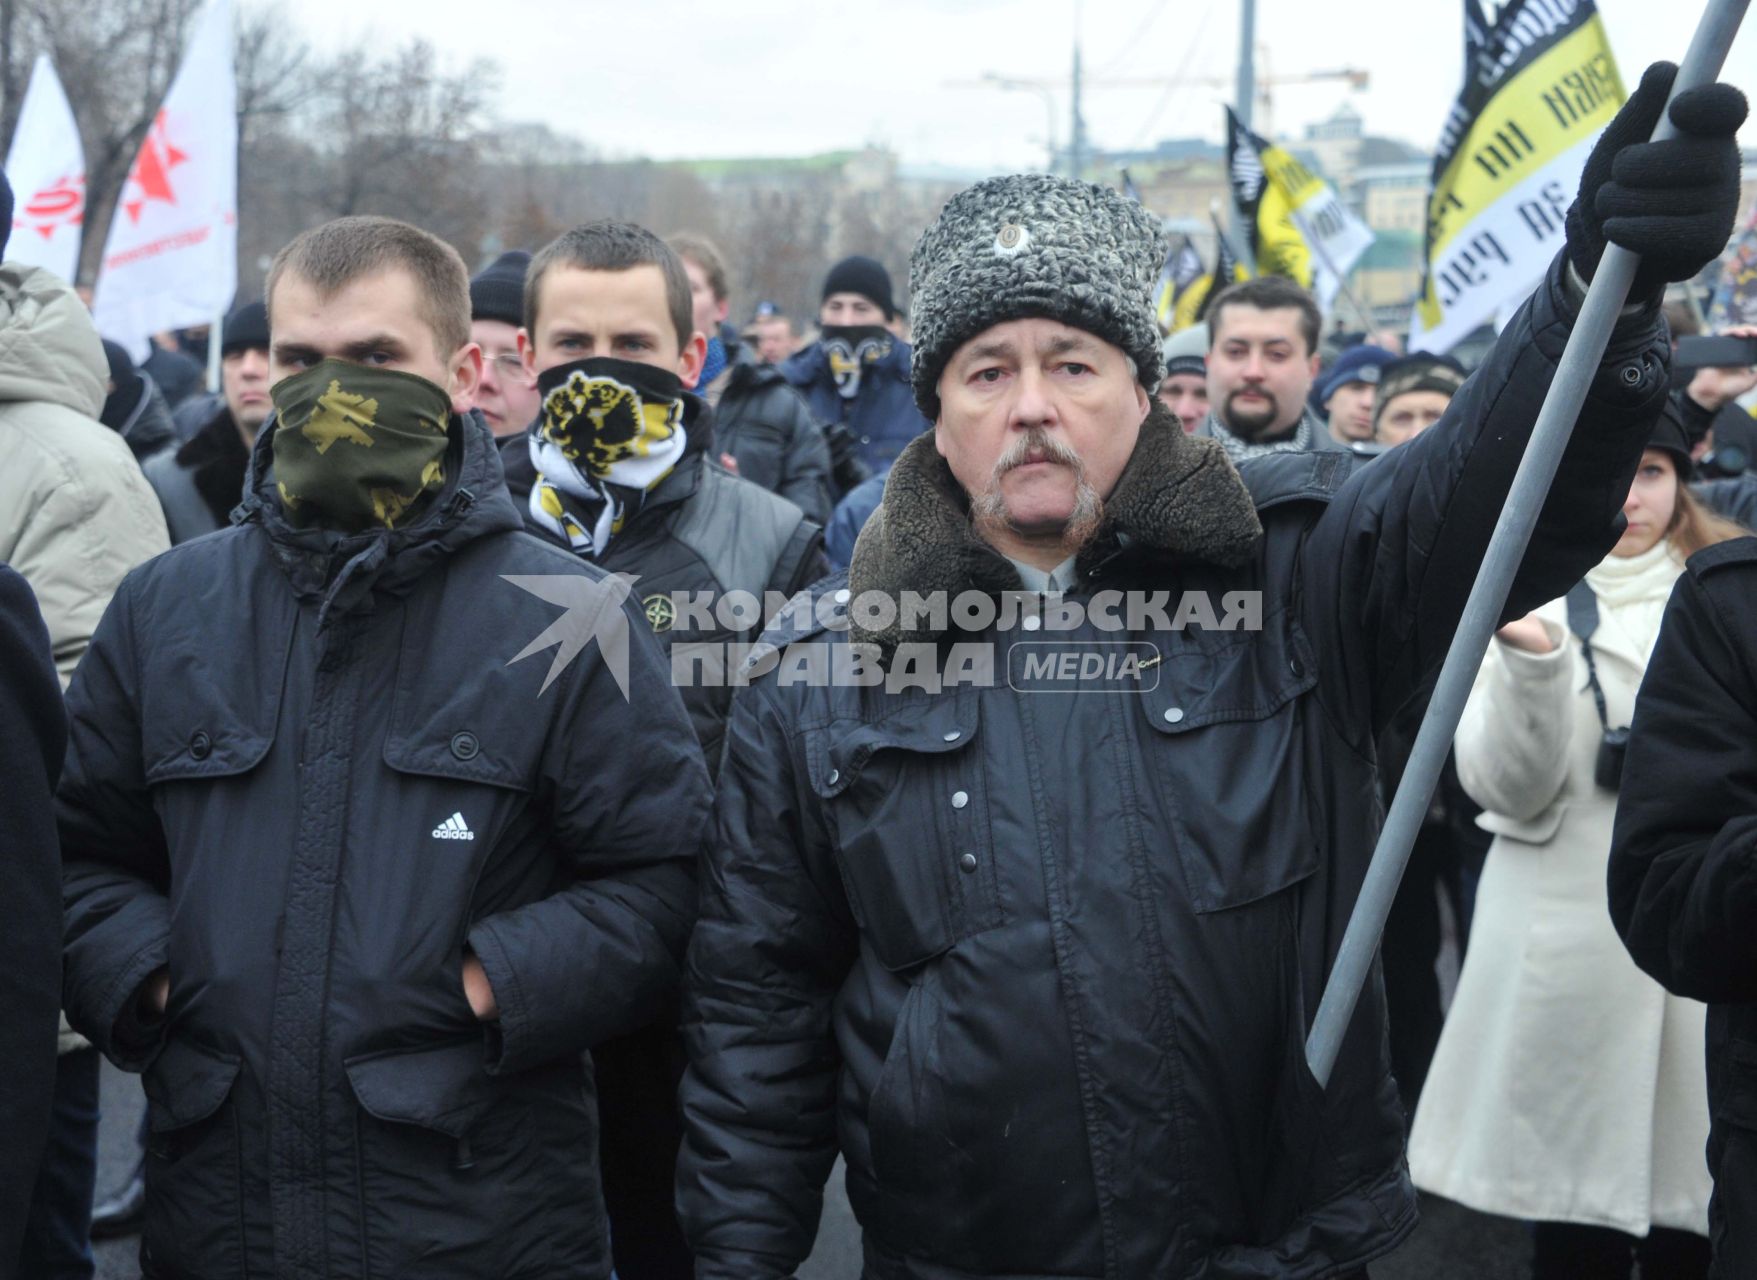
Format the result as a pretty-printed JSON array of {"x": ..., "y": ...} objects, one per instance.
[{"x": 619, "y": 468}]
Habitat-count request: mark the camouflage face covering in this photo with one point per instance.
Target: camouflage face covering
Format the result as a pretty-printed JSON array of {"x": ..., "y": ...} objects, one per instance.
[
  {"x": 610, "y": 430},
  {"x": 356, "y": 446}
]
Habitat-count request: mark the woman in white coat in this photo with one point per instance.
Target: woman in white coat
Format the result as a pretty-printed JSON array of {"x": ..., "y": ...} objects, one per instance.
[{"x": 1568, "y": 1087}]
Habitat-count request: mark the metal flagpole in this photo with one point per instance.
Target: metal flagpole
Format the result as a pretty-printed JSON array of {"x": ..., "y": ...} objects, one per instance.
[
  {"x": 1244, "y": 98},
  {"x": 1360, "y": 312},
  {"x": 1543, "y": 454},
  {"x": 213, "y": 353},
  {"x": 1240, "y": 254}
]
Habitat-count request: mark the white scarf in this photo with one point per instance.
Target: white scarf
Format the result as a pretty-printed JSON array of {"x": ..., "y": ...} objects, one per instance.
[{"x": 1632, "y": 592}]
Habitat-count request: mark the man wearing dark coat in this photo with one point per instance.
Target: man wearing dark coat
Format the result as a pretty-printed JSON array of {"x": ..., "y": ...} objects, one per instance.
[
  {"x": 1683, "y": 882},
  {"x": 1037, "y": 835},
  {"x": 33, "y": 735},
  {"x": 378, "y": 812}
]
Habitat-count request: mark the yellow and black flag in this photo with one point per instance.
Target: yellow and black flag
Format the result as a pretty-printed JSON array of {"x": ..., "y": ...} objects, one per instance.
[
  {"x": 1191, "y": 304},
  {"x": 1540, "y": 84},
  {"x": 1183, "y": 267},
  {"x": 1298, "y": 225}
]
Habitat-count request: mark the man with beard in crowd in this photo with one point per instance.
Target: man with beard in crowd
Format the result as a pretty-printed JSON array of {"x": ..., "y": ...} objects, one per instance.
[
  {"x": 619, "y": 469},
  {"x": 1042, "y": 967},
  {"x": 352, "y": 885},
  {"x": 1262, "y": 358}
]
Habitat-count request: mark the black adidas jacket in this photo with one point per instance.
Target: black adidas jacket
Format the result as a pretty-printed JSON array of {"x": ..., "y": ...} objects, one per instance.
[{"x": 306, "y": 773}]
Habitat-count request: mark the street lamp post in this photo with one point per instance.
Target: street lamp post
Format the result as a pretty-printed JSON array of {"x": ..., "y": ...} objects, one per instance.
[{"x": 1004, "y": 82}]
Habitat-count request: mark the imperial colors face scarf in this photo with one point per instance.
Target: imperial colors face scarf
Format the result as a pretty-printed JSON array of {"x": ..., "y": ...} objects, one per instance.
[
  {"x": 356, "y": 446},
  {"x": 609, "y": 431},
  {"x": 850, "y": 348}
]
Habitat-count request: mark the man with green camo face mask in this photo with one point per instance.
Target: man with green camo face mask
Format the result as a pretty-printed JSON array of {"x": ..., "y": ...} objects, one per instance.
[
  {"x": 357, "y": 446},
  {"x": 426, "y": 802}
]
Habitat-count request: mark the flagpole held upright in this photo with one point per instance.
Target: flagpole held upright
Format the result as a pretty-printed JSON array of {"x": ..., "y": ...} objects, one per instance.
[
  {"x": 1244, "y": 96},
  {"x": 1543, "y": 454}
]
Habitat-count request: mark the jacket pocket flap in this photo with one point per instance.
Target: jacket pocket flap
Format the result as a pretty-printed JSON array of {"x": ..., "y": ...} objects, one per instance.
[
  {"x": 444, "y": 1089},
  {"x": 1249, "y": 676},
  {"x": 462, "y": 756},
  {"x": 198, "y": 725},
  {"x": 837, "y": 753},
  {"x": 186, "y": 1083}
]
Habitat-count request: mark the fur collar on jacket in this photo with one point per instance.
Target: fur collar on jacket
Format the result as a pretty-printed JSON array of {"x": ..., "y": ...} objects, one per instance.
[{"x": 1178, "y": 495}]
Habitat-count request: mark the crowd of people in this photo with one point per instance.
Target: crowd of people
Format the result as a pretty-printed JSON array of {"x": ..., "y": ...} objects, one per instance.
[{"x": 530, "y": 773}]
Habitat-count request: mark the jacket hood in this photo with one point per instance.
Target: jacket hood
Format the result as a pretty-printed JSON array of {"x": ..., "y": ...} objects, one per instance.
[
  {"x": 1178, "y": 495},
  {"x": 473, "y": 504},
  {"x": 49, "y": 348},
  {"x": 149, "y": 427}
]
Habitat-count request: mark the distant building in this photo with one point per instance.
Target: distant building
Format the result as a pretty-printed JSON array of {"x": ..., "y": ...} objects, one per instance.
[{"x": 1393, "y": 197}]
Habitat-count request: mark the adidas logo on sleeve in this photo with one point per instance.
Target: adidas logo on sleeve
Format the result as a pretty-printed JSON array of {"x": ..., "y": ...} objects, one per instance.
[{"x": 454, "y": 828}]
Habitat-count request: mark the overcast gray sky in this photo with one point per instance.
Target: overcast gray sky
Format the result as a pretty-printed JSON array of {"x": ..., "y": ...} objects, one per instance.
[{"x": 670, "y": 79}]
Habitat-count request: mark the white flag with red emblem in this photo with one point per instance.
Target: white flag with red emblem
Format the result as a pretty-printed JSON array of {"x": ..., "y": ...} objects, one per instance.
[
  {"x": 46, "y": 167},
  {"x": 171, "y": 259}
]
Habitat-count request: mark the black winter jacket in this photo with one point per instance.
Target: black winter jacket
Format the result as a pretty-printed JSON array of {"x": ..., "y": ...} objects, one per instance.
[
  {"x": 33, "y": 738},
  {"x": 1683, "y": 869},
  {"x": 307, "y": 773},
  {"x": 763, "y": 423},
  {"x": 706, "y": 533},
  {"x": 1041, "y": 966},
  {"x": 200, "y": 481}
]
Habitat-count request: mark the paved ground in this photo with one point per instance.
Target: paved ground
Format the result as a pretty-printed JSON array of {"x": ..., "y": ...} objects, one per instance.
[{"x": 1451, "y": 1244}]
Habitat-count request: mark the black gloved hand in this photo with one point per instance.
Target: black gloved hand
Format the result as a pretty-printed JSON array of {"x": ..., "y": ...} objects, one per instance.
[{"x": 1671, "y": 202}]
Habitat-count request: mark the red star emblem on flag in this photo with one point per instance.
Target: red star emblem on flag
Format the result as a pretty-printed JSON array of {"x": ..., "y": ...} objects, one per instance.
[{"x": 150, "y": 179}]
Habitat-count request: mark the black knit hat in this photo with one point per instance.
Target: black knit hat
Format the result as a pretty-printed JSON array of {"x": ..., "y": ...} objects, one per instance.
[
  {"x": 5, "y": 212},
  {"x": 245, "y": 329},
  {"x": 1670, "y": 435},
  {"x": 498, "y": 293},
  {"x": 865, "y": 276},
  {"x": 125, "y": 384}
]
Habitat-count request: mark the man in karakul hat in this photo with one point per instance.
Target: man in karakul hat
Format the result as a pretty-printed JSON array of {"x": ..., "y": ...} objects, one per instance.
[{"x": 1042, "y": 967}]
